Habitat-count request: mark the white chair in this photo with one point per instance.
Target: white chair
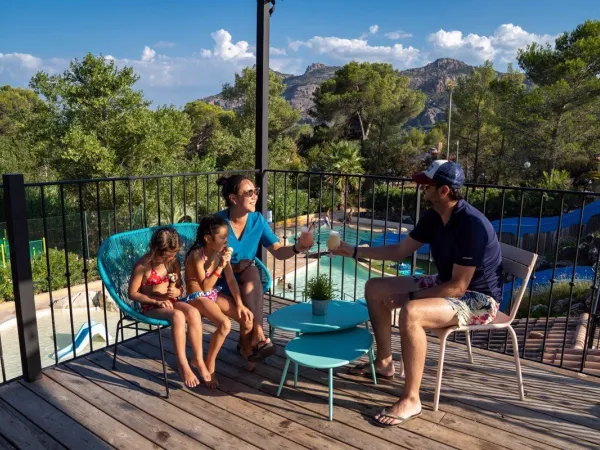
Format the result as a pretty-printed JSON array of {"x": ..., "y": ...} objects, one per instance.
[{"x": 518, "y": 263}]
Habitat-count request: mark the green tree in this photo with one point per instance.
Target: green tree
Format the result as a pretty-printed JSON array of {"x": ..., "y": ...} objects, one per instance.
[
  {"x": 101, "y": 126},
  {"x": 566, "y": 95},
  {"x": 206, "y": 120},
  {"x": 368, "y": 95},
  {"x": 473, "y": 119}
]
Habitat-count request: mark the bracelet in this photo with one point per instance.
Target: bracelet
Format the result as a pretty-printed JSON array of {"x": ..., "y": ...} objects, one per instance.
[
  {"x": 217, "y": 274},
  {"x": 355, "y": 253},
  {"x": 295, "y": 250}
]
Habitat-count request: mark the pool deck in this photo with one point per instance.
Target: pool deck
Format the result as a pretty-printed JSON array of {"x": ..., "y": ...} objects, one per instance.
[{"x": 85, "y": 404}]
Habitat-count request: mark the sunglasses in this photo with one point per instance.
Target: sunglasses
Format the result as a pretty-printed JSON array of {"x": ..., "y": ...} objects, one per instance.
[{"x": 251, "y": 192}]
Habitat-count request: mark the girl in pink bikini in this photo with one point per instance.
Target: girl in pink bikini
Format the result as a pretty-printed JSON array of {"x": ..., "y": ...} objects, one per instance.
[
  {"x": 207, "y": 261},
  {"x": 150, "y": 286}
]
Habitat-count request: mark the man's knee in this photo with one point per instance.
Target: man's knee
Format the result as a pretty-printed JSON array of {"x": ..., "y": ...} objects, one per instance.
[{"x": 410, "y": 313}]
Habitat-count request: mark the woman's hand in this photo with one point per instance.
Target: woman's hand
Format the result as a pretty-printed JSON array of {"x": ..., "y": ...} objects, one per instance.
[
  {"x": 301, "y": 248},
  {"x": 243, "y": 313}
]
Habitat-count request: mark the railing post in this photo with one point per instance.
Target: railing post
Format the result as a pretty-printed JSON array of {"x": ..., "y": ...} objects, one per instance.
[
  {"x": 263, "y": 17},
  {"x": 20, "y": 263},
  {"x": 417, "y": 217}
]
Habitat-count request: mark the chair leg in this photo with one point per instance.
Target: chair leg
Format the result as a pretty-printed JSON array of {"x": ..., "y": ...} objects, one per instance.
[
  {"x": 371, "y": 361},
  {"x": 438, "y": 383},
  {"x": 469, "y": 349},
  {"x": 162, "y": 354},
  {"x": 515, "y": 343},
  {"x": 330, "y": 394},
  {"x": 119, "y": 323},
  {"x": 283, "y": 375}
]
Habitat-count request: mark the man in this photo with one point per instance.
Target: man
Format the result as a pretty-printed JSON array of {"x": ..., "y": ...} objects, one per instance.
[{"x": 466, "y": 290}]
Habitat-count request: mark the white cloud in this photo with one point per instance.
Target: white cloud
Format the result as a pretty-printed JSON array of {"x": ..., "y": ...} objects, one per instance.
[
  {"x": 373, "y": 29},
  {"x": 18, "y": 68},
  {"x": 164, "y": 44},
  {"x": 358, "y": 49},
  {"x": 225, "y": 49},
  {"x": 502, "y": 46},
  {"x": 395, "y": 35},
  {"x": 148, "y": 54},
  {"x": 277, "y": 51}
]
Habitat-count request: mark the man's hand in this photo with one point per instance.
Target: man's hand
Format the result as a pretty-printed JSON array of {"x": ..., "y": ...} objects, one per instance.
[
  {"x": 243, "y": 313},
  {"x": 344, "y": 249}
]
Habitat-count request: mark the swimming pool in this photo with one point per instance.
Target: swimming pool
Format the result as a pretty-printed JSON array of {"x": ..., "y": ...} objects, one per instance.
[{"x": 343, "y": 273}]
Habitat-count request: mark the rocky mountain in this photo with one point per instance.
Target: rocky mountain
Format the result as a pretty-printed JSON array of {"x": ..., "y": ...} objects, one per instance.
[{"x": 430, "y": 79}]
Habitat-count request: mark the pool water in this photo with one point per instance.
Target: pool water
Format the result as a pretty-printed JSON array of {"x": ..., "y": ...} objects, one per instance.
[
  {"x": 62, "y": 321},
  {"x": 343, "y": 273}
]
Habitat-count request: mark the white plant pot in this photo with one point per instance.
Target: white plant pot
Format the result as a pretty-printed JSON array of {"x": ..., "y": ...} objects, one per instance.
[{"x": 319, "y": 307}]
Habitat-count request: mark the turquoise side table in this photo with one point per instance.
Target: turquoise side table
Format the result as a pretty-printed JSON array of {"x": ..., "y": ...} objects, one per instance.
[
  {"x": 298, "y": 318},
  {"x": 328, "y": 351}
]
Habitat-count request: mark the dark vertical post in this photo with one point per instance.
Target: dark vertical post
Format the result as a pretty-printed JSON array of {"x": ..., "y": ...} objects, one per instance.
[
  {"x": 263, "y": 16},
  {"x": 20, "y": 263}
]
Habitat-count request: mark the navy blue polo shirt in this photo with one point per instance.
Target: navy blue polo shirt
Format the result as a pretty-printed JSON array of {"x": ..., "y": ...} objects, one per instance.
[{"x": 468, "y": 239}]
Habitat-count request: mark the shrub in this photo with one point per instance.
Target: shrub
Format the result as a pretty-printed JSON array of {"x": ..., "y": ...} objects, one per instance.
[{"x": 39, "y": 270}]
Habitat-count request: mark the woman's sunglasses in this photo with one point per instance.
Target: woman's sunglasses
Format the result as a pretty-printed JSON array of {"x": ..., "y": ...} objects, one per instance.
[{"x": 251, "y": 192}]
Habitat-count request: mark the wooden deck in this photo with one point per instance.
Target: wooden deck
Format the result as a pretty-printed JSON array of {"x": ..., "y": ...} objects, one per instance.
[{"x": 85, "y": 404}]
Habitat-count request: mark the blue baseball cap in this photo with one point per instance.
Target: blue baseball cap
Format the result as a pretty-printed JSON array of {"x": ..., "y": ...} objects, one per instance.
[{"x": 442, "y": 172}]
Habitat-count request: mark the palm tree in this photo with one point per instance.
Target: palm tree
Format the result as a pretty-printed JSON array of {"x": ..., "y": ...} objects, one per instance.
[{"x": 344, "y": 157}]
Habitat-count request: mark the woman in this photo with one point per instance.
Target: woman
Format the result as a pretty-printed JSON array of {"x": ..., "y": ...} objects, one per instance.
[{"x": 247, "y": 230}]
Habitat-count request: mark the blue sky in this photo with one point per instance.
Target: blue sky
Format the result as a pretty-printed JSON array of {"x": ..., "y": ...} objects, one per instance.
[{"x": 185, "y": 50}]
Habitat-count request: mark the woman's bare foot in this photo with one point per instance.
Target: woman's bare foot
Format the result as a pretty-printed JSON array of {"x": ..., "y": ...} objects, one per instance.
[
  {"x": 204, "y": 372},
  {"x": 189, "y": 378},
  {"x": 213, "y": 383}
]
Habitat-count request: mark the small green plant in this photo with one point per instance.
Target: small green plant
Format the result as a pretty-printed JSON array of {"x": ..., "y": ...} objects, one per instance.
[{"x": 319, "y": 288}]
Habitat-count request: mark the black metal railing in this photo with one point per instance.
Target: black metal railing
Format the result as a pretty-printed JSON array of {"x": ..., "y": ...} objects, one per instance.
[{"x": 556, "y": 323}]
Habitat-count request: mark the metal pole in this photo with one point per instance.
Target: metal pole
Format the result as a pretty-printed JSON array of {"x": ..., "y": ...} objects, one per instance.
[
  {"x": 449, "y": 123},
  {"x": 18, "y": 239},
  {"x": 456, "y": 152},
  {"x": 263, "y": 16}
]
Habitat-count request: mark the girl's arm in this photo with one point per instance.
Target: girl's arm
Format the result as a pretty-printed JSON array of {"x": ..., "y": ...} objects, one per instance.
[
  {"x": 135, "y": 284},
  {"x": 206, "y": 283},
  {"x": 175, "y": 268}
]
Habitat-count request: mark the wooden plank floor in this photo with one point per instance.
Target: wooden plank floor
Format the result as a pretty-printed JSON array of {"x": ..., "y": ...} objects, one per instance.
[{"x": 86, "y": 404}]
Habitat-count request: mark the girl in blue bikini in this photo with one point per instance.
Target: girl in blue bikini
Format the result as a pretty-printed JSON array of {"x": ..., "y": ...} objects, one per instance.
[{"x": 206, "y": 263}]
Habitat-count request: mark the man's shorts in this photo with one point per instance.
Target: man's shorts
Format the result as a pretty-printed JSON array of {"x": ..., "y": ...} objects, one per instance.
[{"x": 473, "y": 308}]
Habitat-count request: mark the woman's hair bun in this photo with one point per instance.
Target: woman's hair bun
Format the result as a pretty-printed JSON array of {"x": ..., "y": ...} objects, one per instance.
[{"x": 222, "y": 181}]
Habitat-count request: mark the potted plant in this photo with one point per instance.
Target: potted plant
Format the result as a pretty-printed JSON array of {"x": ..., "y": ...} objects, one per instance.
[{"x": 320, "y": 291}]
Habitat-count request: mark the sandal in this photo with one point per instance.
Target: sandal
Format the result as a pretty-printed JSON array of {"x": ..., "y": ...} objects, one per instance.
[
  {"x": 262, "y": 352},
  {"x": 401, "y": 420},
  {"x": 364, "y": 370}
]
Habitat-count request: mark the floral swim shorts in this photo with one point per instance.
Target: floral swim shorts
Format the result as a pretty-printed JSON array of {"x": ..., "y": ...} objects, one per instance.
[{"x": 473, "y": 308}]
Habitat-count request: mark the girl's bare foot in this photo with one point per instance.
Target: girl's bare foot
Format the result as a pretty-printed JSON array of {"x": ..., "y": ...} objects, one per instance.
[
  {"x": 189, "y": 378},
  {"x": 204, "y": 372},
  {"x": 213, "y": 383}
]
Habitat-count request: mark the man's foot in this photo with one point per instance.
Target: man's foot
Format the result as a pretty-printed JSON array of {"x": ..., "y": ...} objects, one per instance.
[
  {"x": 382, "y": 371},
  {"x": 400, "y": 412},
  {"x": 204, "y": 372},
  {"x": 212, "y": 383},
  {"x": 189, "y": 378}
]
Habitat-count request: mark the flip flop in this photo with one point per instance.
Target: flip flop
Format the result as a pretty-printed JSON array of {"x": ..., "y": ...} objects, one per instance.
[
  {"x": 402, "y": 420},
  {"x": 262, "y": 351},
  {"x": 366, "y": 372}
]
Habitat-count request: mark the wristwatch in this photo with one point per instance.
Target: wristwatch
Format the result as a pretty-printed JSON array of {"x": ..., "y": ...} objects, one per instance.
[{"x": 411, "y": 295}]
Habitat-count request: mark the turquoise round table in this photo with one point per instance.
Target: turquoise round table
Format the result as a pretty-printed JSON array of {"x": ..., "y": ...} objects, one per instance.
[
  {"x": 328, "y": 351},
  {"x": 299, "y": 318}
]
